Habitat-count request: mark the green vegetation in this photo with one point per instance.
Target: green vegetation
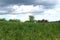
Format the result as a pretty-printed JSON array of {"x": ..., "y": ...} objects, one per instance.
[
  {"x": 16, "y": 30},
  {"x": 31, "y": 18}
]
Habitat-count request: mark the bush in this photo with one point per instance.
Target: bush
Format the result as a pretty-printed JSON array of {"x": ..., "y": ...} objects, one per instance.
[
  {"x": 11, "y": 20},
  {"x": 2, "y": 19}
]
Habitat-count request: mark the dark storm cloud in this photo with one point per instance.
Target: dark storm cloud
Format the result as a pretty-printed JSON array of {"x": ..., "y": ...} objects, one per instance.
[
  {"x": 5, "y": 10},
  {"x": 25, "y": 2}
]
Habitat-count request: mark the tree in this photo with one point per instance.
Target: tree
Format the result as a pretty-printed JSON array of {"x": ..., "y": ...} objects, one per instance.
[
  {"x": 14, "y": 20},
  {"x": 39, "y": 21},
  {"x": 31, "y": 18},
  {"x": 44, "y": 20},
  {"x": 2, "y": 19}
]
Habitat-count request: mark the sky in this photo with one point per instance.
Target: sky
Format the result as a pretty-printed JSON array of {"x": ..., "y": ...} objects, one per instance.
[{"x": 21, "y": 9}]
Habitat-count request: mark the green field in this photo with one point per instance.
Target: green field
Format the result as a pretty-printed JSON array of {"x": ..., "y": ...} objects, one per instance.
[{"x": 29, "y": 30}]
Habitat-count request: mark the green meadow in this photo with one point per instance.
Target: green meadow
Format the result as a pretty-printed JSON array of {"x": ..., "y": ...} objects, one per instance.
[
  {"x": 16, "y": 30},
  {"x": 29, "y": 31}
]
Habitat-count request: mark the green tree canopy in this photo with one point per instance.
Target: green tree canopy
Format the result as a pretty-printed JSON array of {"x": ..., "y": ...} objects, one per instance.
[{"x": 31, "y": 18}]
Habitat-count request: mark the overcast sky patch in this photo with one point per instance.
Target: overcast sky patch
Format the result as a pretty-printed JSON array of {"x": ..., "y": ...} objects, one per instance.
[{"x": 21, "y": 9}]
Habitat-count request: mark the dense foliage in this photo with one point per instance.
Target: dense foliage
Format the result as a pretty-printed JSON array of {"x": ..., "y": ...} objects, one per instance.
[{"x": 15, "y": 30}]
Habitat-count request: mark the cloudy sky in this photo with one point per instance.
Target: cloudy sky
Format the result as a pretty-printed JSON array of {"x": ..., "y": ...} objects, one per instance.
[{"x": 21, "y": 9}]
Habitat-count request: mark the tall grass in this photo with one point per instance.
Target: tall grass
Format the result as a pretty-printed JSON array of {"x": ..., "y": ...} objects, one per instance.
[{"x": 29, "y": 30}]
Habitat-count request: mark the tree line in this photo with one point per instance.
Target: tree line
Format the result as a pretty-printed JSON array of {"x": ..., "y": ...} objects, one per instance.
[{"x": 31, "y": 19}]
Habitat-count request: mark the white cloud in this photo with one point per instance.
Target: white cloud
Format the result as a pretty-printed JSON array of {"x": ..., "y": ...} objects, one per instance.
[
  {"x": 50, "y": 12},
  {"x": 12, "y": 16},
  {"x": 27, "y": 9},
  {"x": 22, "y": 8}
]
